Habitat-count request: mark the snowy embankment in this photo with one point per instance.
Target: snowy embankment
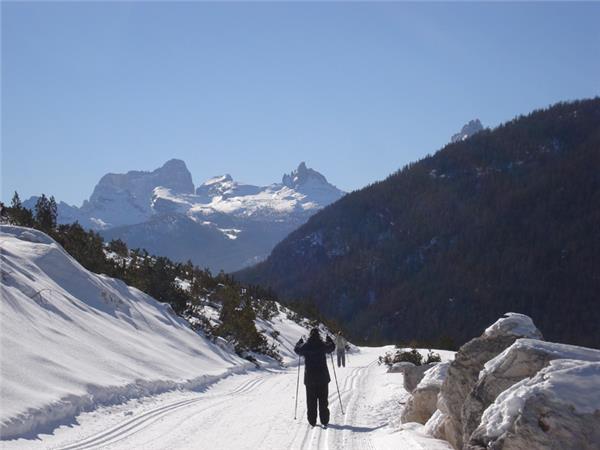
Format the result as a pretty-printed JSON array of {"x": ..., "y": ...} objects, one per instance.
[{"x": 72, "y": 340}]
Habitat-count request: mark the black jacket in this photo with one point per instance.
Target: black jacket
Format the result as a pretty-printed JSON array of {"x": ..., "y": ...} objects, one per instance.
[{"x": 314, "y": 351}]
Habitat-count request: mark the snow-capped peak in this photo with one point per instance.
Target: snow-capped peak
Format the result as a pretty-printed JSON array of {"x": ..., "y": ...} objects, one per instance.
[
  {"x": 218, "y": 179},
  {"x": 469, "y": 129}
]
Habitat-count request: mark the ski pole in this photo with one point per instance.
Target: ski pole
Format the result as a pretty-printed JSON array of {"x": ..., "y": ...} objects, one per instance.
[
  {"x": 336, "y": 384},
  {"x": 297, "y": 386}
]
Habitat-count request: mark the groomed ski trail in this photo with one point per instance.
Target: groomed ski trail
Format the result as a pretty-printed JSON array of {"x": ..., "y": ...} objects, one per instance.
[{"x": 250, "y": 411}]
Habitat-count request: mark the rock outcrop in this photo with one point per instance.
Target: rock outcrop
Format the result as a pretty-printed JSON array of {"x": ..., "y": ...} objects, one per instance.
[
  {"x": 523, "y": 359},
  {"x": 509, "y": 390},
  {"x": 400, "y": 367},
  {"x": 423, "y": 402},
  {"x": 559, "y": 408},
  {"x": 463, "y": 372},
  {"x": 413, "y": 375},
  {"x": 469, "y": 129}
]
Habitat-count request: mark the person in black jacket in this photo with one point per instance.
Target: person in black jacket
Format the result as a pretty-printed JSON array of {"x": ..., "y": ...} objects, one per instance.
[{"x": 316, "y": 375}]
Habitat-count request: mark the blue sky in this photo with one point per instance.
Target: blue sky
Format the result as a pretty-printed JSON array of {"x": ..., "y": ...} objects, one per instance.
[{"x": 356, "y": 90}]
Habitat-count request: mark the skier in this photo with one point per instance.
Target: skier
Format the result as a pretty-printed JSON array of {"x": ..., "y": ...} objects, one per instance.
[
  {"x": 340, "y": 349},
  {"x": 316, "y": 375}
]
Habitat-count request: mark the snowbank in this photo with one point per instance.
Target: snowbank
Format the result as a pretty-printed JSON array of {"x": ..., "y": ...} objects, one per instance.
[{"x": 71, "y": 340}]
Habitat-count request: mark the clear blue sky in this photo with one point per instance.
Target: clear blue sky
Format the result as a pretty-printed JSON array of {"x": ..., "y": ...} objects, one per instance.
[{"x": 355, "y": 90}]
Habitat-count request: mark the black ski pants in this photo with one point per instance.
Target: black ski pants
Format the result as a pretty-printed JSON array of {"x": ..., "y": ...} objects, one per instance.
[
  {"x": 316, "y": 394},
  {"x": 341, "y": 358}
]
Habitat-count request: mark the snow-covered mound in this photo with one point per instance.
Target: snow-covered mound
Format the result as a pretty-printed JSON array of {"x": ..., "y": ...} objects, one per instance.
[
  {"x": 71, "y": 339},
  {"x": 514, "y": 324}
]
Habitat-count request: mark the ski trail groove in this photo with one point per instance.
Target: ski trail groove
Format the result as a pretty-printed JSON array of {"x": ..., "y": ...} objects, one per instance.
[{"x": 131, "y": 426}]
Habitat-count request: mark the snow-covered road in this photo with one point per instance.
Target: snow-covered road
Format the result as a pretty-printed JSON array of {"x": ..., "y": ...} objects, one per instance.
[{"x": 251, "y": 411}]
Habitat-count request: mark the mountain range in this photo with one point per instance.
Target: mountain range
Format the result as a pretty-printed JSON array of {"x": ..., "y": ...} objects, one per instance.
[
  {"x": 222, "y": 224},
  {"x": 502, "y": 220}
]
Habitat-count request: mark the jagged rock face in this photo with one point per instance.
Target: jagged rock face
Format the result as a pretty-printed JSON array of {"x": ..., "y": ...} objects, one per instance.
[
  {"x": 523, "y": 359},
  {"x": 469, "y": 129},
  {"x": 413, "y": 375},
  {"x": 462, "y": 376},
  {"x": 423, "y": 401},
  {"x": 436, "y": 425},
  {"x": 463, "y": 372},
  {"x": 559, "y": 408},
  {"x": 301, "y": 176},
  {"x": 122, "y": 199}
]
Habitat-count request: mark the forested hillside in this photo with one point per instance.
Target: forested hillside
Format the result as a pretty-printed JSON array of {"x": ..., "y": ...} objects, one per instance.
[
  {"x": 507, "y": 220},
  {"x": 215, "y": 305}
]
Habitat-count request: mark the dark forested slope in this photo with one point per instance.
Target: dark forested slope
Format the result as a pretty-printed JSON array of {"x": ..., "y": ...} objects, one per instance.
[{"x": 508, "y": 220}]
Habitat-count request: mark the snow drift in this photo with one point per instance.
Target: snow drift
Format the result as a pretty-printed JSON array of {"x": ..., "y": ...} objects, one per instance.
[{"x": 72, "y": 340}]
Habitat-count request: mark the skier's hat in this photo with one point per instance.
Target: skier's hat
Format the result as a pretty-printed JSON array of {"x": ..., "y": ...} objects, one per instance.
[{"x": 315, "y": 332}]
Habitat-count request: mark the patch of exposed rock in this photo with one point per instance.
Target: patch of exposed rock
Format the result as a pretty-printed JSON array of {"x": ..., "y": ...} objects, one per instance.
[
  {"x": 413, "y": 375},
  {"x": 423, "y": 401}
]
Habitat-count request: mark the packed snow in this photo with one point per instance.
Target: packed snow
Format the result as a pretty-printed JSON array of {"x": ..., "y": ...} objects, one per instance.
[
  {"x": 572, "y": 383},
  {"x": 253, "y": 410}
]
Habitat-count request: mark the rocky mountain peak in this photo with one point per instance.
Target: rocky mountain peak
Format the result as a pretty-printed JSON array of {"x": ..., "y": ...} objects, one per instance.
[
  {"x": 301, "y": 176},
  {"x": 469, "y": 129}
]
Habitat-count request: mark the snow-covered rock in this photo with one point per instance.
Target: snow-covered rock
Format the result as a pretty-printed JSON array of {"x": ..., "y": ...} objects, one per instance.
[
  {"x": 413, "y": 375},
  {"x": 436, "y": 425},
  {"x": 559, "y": 408},
  {"x": 400, "y": 367},
  {"x": 422, "y": 404},
  {"x": 514, "y": 324},
  {"x": 223, "y": 224},
  {"x": 463, "y": 372},
  {"x": 523, "y": 359},
  {"x": 469, "y": 129}
]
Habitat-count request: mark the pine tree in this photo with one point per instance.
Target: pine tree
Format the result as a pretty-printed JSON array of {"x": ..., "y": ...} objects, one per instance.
[
  {"x": 16, "y": 201},
  {"x": 19, "y": 215},
  {"x": 45, "y": 213}
]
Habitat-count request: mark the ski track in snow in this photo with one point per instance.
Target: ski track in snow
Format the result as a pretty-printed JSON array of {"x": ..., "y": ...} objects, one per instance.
[{"x": 249, "y": 411}]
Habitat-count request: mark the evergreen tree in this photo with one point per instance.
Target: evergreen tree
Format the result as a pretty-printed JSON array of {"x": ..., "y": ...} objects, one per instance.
[
  {"x": 19, "y": 215},
  {"x": 16, "y": 201},
  {"x": 118, "y": 246},
  {"x": 45, "y": 213}
]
